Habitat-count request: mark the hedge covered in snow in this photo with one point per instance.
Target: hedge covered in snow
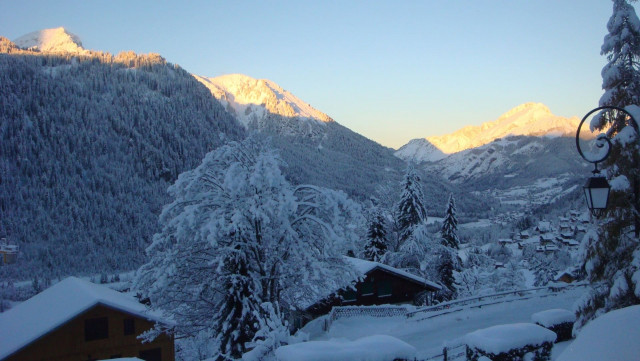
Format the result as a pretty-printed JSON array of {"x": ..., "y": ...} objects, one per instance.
[
  {"x": 510, "y": 343},
  {"x": 557, "y": 320}
]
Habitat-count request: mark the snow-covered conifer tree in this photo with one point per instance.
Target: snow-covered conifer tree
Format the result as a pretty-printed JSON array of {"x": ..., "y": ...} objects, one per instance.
[
  {"x": 450, "y": 225},
  {"x": 447, "y": 265},
  {"x": 612, "y": 258},
  {"x": 447, "y": 259},
  {"x": 376, "y": 245},
  {"x": 415, "y": 254},
  {"x": 411, "y": 210},
  {"x": 621, "y": 75},
  {"x": 238, "y": 308},
  {"x": 237, "y": 209}
]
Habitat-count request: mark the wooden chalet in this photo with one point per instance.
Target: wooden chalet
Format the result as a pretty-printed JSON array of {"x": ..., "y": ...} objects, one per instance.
[
  {"x": 570, "y": 242},
  {"x": 543, "y": 227},
  {"x": 76, "y": 320},
  {"x": 8, "y": 253},
  {"x": 549, "y": 248},
  {"x": 569, "y": 275},
  {"x": 381, "y": 284},
  {"x": 546, "y": 239}
]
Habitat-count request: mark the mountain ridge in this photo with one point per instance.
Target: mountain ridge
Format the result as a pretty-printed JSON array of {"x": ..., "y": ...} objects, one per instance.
[
  {"x": 316, "y": 149},
  {"x": 528, "y": 119},
  {"x": 251, "y": 99}
]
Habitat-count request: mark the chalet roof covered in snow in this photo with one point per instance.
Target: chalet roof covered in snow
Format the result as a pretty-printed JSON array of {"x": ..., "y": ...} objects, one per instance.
[
  {"x": 544, "y": 226},
  {"x": 571, "y": 271},
  {"x": 57, "y": 305},
  {"x": 364, "y": 267}
]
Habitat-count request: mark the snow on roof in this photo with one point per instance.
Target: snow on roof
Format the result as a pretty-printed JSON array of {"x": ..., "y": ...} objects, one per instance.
[
  {"x": 550, "y": 318},
  {"x": 57, "y": 305},
  {"x": 370, "y": 348},
  {"x": 571, "y": 271},
  {"x": 502, "y": 338},
  {"x": 612, "y": 336},
  {"x": 544, "y": 226},
  {"x": 364, "y": 267}
]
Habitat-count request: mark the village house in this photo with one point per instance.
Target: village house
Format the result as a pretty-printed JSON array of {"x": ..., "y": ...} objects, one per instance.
[
  {"x": 569, "y": 275},
  {"x": 78, "y": 320},
  {"x": 546, "y": 239},
  {"x": 570, "y": 242},
  {"x": 8, "y": 252},
  {"x": 574, "y": 213},
  {"x": 543, "y": 227},
  {"x": 566, "y": 227},
  {"x": 381, "y": 284},
  {"x": 580, "y": 230},
  {"x": 567, "y": 235}
]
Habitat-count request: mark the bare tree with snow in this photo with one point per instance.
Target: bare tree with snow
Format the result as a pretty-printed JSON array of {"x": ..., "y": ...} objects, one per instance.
[{"x": 240, "y": 244}]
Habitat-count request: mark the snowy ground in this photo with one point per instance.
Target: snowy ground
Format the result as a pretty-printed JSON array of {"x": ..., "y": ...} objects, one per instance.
[{"x": 429, "y": 336}]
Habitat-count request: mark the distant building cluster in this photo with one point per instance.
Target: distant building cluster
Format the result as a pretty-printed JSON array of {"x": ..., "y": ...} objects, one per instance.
[
  {"x": 548, "y": 236},
  {"x": 8, "y": 252}
]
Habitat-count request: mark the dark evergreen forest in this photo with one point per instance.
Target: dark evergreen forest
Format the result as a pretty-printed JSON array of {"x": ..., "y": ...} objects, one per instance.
[{"x": 89, "y": 145}]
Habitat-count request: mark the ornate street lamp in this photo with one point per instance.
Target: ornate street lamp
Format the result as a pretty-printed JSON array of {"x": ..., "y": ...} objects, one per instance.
[{"x": 596, "y": 189}]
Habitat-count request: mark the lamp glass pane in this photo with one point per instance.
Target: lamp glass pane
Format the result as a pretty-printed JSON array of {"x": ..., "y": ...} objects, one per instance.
[
  {"x": 599, "y": 197},
  {"x": 587, "y": 196}
]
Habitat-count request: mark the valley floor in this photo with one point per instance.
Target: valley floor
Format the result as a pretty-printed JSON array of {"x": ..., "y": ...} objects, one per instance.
[{"x": 429, "y": 336}]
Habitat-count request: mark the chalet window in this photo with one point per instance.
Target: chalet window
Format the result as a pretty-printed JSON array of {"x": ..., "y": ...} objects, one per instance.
[
  {"x": 154, "y": 354},
  {"x": 349, "y": 295},
  {"x": 367, "y": 288},
  {"x": 129, "y": 326},
  {"x": 96, "y": 328},
  {"x": 385, "y": 289}
]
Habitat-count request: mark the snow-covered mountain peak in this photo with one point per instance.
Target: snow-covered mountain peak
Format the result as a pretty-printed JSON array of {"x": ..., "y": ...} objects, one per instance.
[
  {"x": 420, "y": 150},
  {"x": 529, "y": 119},
  {"x": 252, "y": 100},
  {"x": 57, "y": 40},
  {"x": 531, "y": 110}
]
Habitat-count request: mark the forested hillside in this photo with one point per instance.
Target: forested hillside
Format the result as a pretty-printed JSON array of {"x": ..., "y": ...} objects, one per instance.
[{"x": 89, "y": 145}]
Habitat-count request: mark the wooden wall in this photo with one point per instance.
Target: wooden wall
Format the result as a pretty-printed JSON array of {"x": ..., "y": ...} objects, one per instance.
[
  {"x": 67, "y": 342},
  {"x": 368, "y": 293}
]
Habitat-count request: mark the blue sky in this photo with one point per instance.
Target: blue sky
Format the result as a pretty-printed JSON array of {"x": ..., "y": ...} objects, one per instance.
[{"x": 390, "y": 70}]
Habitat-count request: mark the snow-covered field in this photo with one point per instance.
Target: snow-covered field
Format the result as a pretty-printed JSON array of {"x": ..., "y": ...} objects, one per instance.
[{"x": 429, "y": 336}]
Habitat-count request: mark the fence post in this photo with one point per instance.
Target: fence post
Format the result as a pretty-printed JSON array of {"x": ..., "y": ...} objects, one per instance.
[{"x": 444, "y": 354}]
